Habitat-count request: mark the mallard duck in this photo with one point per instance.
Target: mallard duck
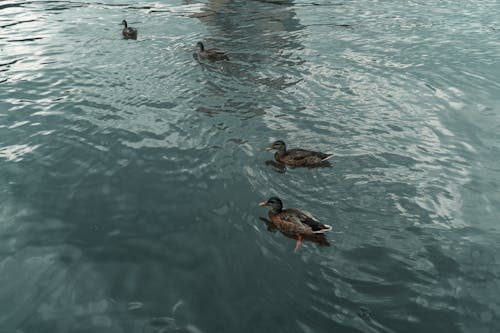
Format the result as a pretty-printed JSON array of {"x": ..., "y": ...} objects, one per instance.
[
  {"x": 298, "y": 157},
  {"x": 128, "y": 32},
  {"x": 211, "y": 54},
  {"x": 292, "y": 221}
]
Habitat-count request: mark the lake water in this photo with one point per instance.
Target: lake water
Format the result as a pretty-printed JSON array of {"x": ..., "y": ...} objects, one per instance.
[{"x": 130, "y": 173}]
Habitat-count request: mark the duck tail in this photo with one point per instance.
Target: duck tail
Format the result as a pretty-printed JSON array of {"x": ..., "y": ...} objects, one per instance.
[
  {"x": 325, "y": 229},
  {"x": 329, "y": 155}
]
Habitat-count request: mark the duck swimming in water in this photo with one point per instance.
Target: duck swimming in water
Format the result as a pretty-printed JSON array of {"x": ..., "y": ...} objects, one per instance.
[
  {"x": 298, "y": 157},
  {"x": 128, "y": 32},
  {"x": 292, "y": 221},
  {"x": 211, "y": 54}
]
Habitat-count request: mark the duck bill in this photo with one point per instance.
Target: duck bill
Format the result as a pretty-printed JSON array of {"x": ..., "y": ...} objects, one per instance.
[
  {"x": 264, "y": 203},
  {"x": 269, "y": 148}
]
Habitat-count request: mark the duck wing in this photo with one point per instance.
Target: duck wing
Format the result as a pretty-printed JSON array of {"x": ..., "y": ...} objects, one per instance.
[
  {"x": 130, "y": 32},
  {"x": 216, "y": 51},
  {"x": 307, "y": 220},
  {"x": 302, "y": 154},
  {"x": 288, "y": 222},
  {"x": 217, "y": 54}
]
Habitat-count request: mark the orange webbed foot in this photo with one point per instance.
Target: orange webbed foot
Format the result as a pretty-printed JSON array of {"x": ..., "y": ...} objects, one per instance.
[{"x": 299, "y": 242}]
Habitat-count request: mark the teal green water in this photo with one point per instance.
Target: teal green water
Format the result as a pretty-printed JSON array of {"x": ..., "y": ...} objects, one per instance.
[{"x": 130, "y": 173}]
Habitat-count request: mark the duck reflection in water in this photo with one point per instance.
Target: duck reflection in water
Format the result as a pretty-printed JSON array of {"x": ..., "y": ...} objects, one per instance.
[{"x": 281, "y": 167}]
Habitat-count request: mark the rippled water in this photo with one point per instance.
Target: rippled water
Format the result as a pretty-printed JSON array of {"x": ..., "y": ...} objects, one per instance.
[{"x": 130, "y": 173}]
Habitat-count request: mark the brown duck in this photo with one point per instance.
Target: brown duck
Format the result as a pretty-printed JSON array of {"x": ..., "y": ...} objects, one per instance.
[
  {"x": 297, "y": 156},
  {"x": 128, "y": 32},
  {"x": 211, "y": 54},
  {"x": 292, "y": 221}
]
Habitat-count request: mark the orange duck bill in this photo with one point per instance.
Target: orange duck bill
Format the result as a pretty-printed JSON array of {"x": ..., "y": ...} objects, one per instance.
[{"x": 263, "y": 203}]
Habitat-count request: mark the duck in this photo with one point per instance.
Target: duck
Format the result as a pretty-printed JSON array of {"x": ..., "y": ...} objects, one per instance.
[
  {"x": 298, "y": 157},
  {"x": 128, "y": 32},
  {"x": 293, "y": 221},
  {"x": 211, "y": 54}
]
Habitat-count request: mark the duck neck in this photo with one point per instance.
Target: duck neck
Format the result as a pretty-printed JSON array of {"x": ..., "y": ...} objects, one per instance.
[
  {"x": 281, "y": 151},
  {"x": 277, "y": 209}
]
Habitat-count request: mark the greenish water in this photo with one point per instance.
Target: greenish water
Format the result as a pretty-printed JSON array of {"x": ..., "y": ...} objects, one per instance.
[{"x": 130, "y": 173}]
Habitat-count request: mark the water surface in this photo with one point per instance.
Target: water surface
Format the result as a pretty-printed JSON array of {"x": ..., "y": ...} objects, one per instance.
[{"x": 130, "y": 173}]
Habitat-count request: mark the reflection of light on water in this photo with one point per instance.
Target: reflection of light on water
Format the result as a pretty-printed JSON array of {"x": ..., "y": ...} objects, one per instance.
[
  {"x": 190, "y": 8},
  {"x": 371, "y": 60},
  {"x": 26, "y": 48},
  {"x": 15, "y": 152}
]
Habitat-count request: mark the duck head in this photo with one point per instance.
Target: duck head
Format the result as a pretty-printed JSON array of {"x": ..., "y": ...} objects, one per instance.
[
  {"x": 274, "y": 202},
  {"x": 200, "y": 45},
  {"x": 278, "y": 145},
  {"x": 124, "y": 23}
]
